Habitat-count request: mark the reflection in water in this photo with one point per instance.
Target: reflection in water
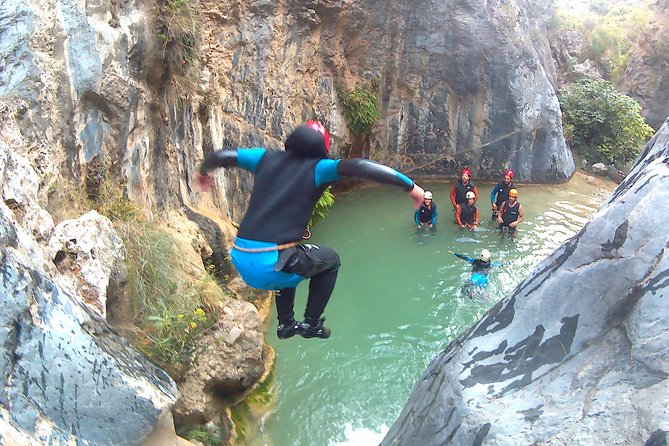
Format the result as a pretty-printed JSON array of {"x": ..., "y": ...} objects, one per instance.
[{"x": 399, "y": 302}]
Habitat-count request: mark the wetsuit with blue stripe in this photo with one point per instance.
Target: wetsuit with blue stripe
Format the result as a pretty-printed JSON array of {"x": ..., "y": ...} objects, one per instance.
[
  {"x": 480, "y": 269},
  {"x": 426, "y": 214},
  {"x": 286, "y": 188}
]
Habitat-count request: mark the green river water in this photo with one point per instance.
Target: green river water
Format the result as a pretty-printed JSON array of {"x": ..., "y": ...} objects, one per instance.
[{"x": 398, "y": 302}]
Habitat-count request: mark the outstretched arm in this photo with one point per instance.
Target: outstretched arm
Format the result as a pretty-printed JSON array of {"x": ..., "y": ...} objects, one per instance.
[
  {"x": 245, "y": 158},
  {"x": 369, "y": 170},
  {"x": 462, "y": 256}
]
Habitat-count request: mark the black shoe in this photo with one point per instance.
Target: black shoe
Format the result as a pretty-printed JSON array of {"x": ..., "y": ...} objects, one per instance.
[
  {"x": 285, "y": 331},
  {"x": 307, "y": 330}
]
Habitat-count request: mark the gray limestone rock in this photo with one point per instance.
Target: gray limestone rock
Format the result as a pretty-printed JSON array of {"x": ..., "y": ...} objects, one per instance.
[
  {"x": 65, "y": 375},
  {"x": 579, "y": 352}
]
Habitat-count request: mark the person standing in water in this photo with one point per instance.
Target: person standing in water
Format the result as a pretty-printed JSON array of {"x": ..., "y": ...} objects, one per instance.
[
  {"x": 500, "y": 193},
  {"x": 461, "y": 187},
  {"x": 511, "y": 214},
  {"x": 467, "y": 215},
  {"x": 426, "y": 214},
  {"x": 268, "y": 252}
]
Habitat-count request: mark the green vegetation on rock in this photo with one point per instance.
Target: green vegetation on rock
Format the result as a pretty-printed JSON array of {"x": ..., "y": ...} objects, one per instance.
[
  {"x": 325, "y": 202},
  {"x": 609, "y": 29},
  {"x": 359, "y": 109},
  {"x": 601, "y": 124}
]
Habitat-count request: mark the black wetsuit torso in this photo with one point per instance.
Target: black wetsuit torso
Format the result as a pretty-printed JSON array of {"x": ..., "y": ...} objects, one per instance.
[
  {"x": 510, "y": 213},
  {"x": 284, "y": 196},
  {"x": 480, "y": 266},
  {"x": 461, "y": 191},
  {"x": 503, "y": 192},
  {"x": 425, "y": 214},
  {"x": 468, "y": 213}
]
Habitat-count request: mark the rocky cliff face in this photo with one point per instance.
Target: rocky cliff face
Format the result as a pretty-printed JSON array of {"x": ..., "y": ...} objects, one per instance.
[
  {"x": 646, "y": 78},
  {"x": 579, "y": 352},
  {"x": 459, "y": 84}
]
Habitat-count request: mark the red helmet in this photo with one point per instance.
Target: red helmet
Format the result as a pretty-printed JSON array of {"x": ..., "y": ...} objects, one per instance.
[
  {"x": 466, "y": 172},
  {"x": 509, "y": 173},
  {"x": 321, "y": 129}
]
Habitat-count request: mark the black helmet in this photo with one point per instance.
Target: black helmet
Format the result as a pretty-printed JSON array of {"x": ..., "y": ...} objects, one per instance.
[{"x": 310, "y": 140}]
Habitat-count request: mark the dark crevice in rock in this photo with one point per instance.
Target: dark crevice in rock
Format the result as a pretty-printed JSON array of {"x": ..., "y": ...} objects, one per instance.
[
  {"x": 657, "y": 438},
  {"x": 498, "y": 318},
  {"x": 452, "y": 434},
  {"x": 214, "y": 237},
  {"x": 541, "y": 276},
  {"x": 533, "y": 414},
  {"x": 645, "y": 285},
  {"x": 484, "y": 355},
  {"x": 524, "y": 358},
  {"x": 481, "y": 433},
  {"x": 619, "y": 238}
]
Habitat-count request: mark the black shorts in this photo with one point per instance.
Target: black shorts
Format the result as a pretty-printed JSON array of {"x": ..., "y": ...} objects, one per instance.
[{"x": 307, "y": 260}]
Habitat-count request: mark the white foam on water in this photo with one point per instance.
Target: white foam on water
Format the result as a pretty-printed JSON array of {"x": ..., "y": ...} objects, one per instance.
[{"x": 361, "y": 436}]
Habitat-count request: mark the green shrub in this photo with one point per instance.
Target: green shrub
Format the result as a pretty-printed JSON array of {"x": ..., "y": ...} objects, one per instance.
[
  {"x": 170, "y": 312},
  {"x": 325, "y": 202},
  {"x": 359, "y": 108},
  {"x": 602, "y": 124},
  {"x": 610, "y": 32},
  {"x": 172, "y": 334}
]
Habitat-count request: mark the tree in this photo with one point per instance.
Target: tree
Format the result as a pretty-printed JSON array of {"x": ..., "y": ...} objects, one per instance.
[{"x": 602, "y": 124}]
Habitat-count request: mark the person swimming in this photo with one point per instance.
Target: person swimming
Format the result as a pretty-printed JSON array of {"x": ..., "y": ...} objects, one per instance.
[{"x": 480, "y": 269}]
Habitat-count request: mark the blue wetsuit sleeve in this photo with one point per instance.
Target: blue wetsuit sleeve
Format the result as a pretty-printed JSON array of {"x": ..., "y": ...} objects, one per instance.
[
  {"x": 415, "y": 216},
  {"x": 496, "y": 264},
  {"x": 245, "y": 158},
  {"x": 493, "y": 194},
  {"x": 434, "y": 215},
  {"x": 249, "y": 158},
  {"x": 369, "y": 170},
  {"x": 326, "y": 172},
  {"x": 464, "y": 257}
]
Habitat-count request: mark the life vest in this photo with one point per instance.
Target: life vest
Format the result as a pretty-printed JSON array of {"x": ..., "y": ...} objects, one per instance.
[
  {"x": 503, "y": 192},
  {"x": 468, "y": 213},
  {"x": 510, "y": 213},
  {"x": 425, "y": 214},
  {"x": 461, "y": 191}
]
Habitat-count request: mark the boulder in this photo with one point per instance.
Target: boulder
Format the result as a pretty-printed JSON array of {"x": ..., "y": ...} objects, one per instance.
[
  {"x": 600, "y": 169},
  {"x": 230, "y": 361}
]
